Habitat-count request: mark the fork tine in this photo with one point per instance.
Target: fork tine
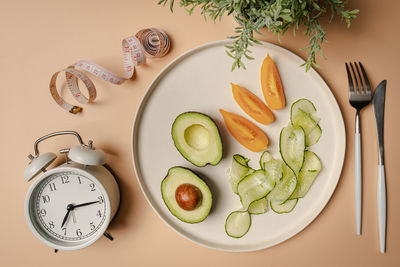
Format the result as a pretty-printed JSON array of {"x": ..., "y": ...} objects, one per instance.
[
  {"x": 351, "y": 86},
  {"x": 367, "y": 83},
  {"x": 355, "y": 78},
  {"x": 363, "y": 90}
]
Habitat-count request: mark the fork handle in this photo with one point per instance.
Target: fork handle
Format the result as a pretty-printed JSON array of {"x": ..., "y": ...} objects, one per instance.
[
  {"x": 358, "y": 174},
  {"x": 382, "y": 207}
]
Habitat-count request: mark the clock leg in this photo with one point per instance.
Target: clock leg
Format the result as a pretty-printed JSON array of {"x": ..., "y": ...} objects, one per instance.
[{"x": 106, "y": 234}]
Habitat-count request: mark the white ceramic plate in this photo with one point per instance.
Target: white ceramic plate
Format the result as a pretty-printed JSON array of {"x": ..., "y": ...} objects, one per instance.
[{"x": 199, "y": 80}]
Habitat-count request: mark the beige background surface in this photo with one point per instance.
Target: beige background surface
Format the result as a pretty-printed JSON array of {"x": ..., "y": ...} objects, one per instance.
[{"x": 40, "y": 37}]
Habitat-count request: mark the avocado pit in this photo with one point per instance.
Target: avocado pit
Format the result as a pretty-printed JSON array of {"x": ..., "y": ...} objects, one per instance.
[{"x": 188, "y": 196}]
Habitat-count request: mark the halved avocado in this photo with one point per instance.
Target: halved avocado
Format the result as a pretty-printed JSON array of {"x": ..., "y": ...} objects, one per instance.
[
  {"x": 186, "y": 195},
  {"x": 197, "y": 138}
]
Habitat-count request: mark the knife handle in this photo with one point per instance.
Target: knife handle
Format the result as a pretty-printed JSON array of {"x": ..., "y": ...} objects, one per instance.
[
  {"x": 382, "y": 207},
  {"x": 358, "y": 181}
]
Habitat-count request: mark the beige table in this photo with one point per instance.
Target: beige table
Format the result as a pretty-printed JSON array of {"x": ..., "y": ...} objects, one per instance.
[{"x": 40, "y": 37}]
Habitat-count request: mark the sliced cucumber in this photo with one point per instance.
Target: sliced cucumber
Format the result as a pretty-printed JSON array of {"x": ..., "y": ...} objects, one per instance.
[
  {"x": 271, "y": 166},
  {"x": 292, "y": 146},
  {"x": 254, "y": 187},
  {"x": 314, "y": 136},
  {"x": 265, "y": 157},
  {"x": 273, "y": 169},
  {"x": 241, "y": 160},
  {"x": 304, "y": 120},
  {"x": 239, "y": 170},
  {"x": 311, "y": 128},
  {"x": 303, "y": 113},
  {"x": 311, "y": 168},
  {"x": 259, "y": 206},
  {"x": 285, "y": 207},
  {"x": 304, "y": 105},
  {"x": 238, "y": 223},
  {"x": 285, "y": 187}
]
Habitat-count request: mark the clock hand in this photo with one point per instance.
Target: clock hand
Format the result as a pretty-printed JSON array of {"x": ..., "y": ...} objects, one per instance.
[
  {"x": 73, "y": 216},
  {"x": 85, "y": 204},
  {"x": 69, "y": 208}
]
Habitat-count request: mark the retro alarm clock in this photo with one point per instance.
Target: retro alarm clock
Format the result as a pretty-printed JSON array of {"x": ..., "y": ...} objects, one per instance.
[{"x": 70, "y": 206}]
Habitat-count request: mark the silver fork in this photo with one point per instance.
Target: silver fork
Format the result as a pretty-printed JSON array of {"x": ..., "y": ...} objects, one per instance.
[{"x": 359, "y": 97}]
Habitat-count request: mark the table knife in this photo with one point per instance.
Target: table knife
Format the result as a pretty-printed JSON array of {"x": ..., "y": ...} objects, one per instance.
[{"x": 379, "y": 110}]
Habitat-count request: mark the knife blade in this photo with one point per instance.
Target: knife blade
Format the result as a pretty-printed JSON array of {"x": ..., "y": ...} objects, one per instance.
[{"x": 379, "y": 110}]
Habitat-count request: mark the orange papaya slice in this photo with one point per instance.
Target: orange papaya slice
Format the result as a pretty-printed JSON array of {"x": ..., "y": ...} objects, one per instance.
[
  {"x": 252, "y": 105},
  {"x": 271, "y": 85},
  {"x": 245, "y": 132}
]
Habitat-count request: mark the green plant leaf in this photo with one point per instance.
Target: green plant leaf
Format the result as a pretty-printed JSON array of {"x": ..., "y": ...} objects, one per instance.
[{"x": 277, "y": 15}]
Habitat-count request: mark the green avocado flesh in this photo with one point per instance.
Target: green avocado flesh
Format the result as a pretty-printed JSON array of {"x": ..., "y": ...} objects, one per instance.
[
  {"x": 178, "y": 176},
  {"x": 197, "y": 138}
]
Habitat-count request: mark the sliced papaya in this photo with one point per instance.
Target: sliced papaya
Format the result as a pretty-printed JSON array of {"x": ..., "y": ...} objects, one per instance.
[
  {"x": 252, "y": 105},
  {"x": 272, "y": 85},
  {"x": 245, "y": 132}
]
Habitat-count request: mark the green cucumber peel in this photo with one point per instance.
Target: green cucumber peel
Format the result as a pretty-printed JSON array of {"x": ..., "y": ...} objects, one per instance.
[
  {"x": 304, "y": 105},
  {"x": 265, "y": 157},
  {"x": 303, "y": 113},
  {"x": 292, "y": 141},
  {"x": 254, "y": 187},
  {"x": 239, "y": 170},
  {"x": 238, "y": 223},
  {"x": 285, "y": 187},
  {"x": 284, "y": 207},
  {"x": 259, "y": 206},
  {"x": 311, "y": 168}
]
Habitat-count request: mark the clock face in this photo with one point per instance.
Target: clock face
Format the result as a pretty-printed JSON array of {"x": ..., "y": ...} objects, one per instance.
[{"x": 69, "y": 206}]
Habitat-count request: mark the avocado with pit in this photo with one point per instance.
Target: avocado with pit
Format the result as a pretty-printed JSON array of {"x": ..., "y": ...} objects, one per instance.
[
  {"x": 197, "y": 138},
  {"x": 186, "y": 195}
]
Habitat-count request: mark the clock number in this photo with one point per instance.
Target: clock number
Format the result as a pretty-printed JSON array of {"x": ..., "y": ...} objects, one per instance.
[
  {"x": 92, "y": 227},
  {"x": 79, "y": 180},
  {"x": 92, "y": 187},
  {"x": 52, "y": 187},
  {"x": 46, "y": 198},
  {"x": 101, "y": 199},
  {"x": 99, "y": 213},
  {"x": 78, "y": 232},
  {"x": 43, "y": 212},
  {"x": 51, "y": 224},
  {"x": 64, "y": 179},
  {"x": 65, "y": 230}
]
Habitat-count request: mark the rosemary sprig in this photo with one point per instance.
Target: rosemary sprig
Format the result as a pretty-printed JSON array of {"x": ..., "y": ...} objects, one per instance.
[{"x": 276, "y": 15}]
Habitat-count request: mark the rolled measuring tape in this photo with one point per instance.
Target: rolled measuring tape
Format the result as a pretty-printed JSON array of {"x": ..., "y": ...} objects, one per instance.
[{"x": 149, "y": 42}]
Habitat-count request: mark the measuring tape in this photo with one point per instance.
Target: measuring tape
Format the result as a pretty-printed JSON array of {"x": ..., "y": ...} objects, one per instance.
[{"x": 150, "y": 42}]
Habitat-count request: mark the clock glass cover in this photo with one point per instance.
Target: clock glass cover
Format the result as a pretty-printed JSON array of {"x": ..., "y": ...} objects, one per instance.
[{"x": 68, "y": 207}]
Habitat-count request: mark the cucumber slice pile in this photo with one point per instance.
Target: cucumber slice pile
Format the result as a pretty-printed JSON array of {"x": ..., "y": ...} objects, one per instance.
[{"x": 278, "y": 183}]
